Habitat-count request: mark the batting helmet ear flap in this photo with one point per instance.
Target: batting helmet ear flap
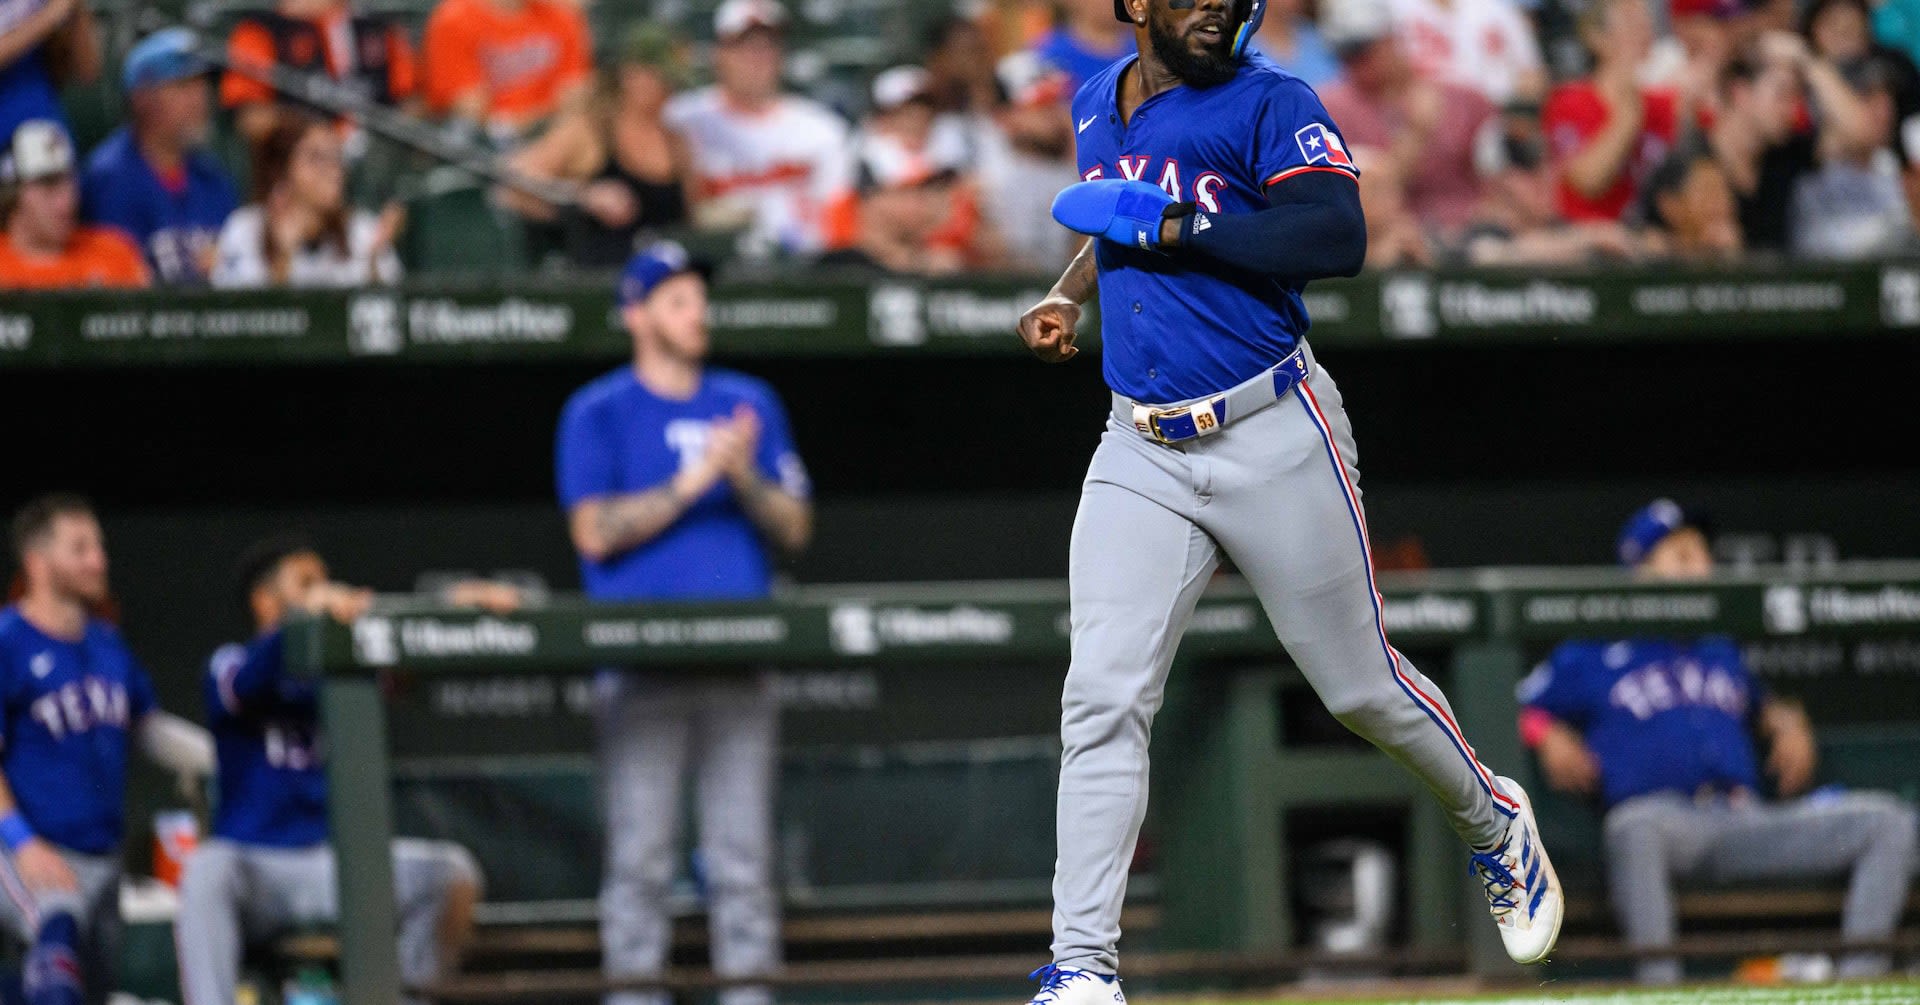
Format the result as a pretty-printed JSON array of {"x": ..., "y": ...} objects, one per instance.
[{"x": 1247, "y": 14}]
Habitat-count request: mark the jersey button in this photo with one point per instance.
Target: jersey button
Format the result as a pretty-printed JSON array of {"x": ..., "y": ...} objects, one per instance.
[
  {"x": 1151, "y": 374},
  {"x": 1136, "y": 307}
]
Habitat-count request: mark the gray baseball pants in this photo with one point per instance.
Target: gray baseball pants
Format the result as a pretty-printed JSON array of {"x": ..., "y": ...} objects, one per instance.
[
  {"x": 95, "y": 908},
  {"x": 1278, "y": 493},
  {"x": 654, "y": 729},
  {"x": 1652, "y": 841},
  {"x": 232, "y": 893}
]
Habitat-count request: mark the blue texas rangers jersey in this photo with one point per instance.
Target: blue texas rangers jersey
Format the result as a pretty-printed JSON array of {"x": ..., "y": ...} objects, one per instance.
[
  {"x": 616, "y": 436},
  {"x": 1174, "y": 327},
  {"x": 1659, "y": 715},
  {"x": 266, "y": 729},
  {"x": 175, "y": 221},
  {"x": 68, "y": 708}
]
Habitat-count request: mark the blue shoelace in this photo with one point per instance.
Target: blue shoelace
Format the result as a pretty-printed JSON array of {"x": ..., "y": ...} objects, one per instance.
[
  {"x": 1493, "y": 873},
  {"x": 1052, "y": 979}
]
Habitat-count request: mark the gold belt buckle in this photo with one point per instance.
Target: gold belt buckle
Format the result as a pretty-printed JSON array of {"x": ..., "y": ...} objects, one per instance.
[{"x": 1168, "y": 413}]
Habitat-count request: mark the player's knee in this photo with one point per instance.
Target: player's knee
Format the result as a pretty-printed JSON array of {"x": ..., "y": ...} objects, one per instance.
[
  {"x": 1636, "y": 827},
  {"x": 1098, "y": 720},
  {"x": 1898, "y": 826},
  {"x": 1368, "y": 712},
  {"x": 463, "y": 876}
]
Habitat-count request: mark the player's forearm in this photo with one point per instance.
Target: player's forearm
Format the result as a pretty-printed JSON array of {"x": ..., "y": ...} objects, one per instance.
[
  {"x": 176, "y": 744},
  {"x": 786, "y": 520},
  {"x": 1081, "y": 280},
  {"x": 603, "y": 528},
  {"x": 1319, "y": 231}
]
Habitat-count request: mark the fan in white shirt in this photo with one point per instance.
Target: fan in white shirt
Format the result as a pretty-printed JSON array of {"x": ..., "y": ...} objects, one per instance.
[
  {"x": 299, "y": 230},
  {"x": 1487, "y": 45},
  {"x": 772, "y": 161}
]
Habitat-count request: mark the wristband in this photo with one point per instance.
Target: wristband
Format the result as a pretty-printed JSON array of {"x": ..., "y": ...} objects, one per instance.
[
  {"x": 1534, "y": 724},
  {"x": 14, "y": 831}
]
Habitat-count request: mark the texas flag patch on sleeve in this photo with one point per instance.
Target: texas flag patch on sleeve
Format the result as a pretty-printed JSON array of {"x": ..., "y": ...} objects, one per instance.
[{"x": 1319, "y": 145}]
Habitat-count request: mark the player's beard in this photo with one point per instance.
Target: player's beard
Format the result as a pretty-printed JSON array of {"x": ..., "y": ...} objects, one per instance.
[{"x": 1205, "y": 69}]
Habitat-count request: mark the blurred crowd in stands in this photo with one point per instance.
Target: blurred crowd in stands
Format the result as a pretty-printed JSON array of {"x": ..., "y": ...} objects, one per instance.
[{"x": 1489, "y": 132}]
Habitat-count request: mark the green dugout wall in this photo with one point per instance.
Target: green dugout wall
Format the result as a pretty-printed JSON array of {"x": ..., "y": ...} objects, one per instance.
[{"x": 1225, "y": 774}]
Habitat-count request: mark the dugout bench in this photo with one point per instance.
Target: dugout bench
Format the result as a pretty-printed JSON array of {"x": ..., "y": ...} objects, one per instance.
[{"x": 1226, "y": 776}]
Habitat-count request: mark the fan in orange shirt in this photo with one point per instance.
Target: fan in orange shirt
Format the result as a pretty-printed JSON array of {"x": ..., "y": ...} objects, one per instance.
[
  {"x": 505, "y": 65},
  {"x": 368, "y": 51},
  {"x": 42, "y": 245}
]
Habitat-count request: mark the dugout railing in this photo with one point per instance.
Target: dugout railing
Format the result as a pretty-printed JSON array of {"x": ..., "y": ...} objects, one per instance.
[{"x": 1226, "y": 775}]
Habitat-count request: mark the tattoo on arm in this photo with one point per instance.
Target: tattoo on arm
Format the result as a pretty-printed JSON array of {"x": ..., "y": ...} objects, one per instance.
[
  {"x": 785, "y": 518},
  {"x": 629, "y": 521},
  {"x": 1082, "y": 277}
]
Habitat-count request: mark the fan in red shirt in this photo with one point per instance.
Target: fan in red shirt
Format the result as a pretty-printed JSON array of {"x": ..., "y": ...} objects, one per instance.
[{"x": 1606, "y": 131}]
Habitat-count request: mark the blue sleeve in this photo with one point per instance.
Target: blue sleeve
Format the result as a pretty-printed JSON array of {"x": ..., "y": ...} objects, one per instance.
[
  {"x": 244, "y": 680},
  {"x": 583, "y": 457},
  {"x": 1293, "y": 135},
  {"x": 779, "y": 461},
  {"x": 1314, "y": 228},
  {"x": 1558, "y": 686}
]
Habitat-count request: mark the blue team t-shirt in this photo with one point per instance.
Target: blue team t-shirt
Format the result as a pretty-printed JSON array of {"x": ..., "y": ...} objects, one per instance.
[
  {"x": 1176, "y": 327},
  {"x": 177, "y": 229},
  {"x": 616, "y": 437},
  {"x": 68, "y": 708},
  {"x": 266, "y": 741},
  {"x": 1659, "y": 715}
]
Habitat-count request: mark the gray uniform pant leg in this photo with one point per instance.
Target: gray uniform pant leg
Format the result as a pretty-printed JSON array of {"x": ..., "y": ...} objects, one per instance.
[
  {"x": 95, "y": 908},
  {"x": 209, "y": 935},
  {"x": 232, "y": 893},
  {"x": 1652, "y": 841},
  {"x": 1285, "y": 507},
  {"x": 737, "y": 746},
  {"x": 1137, "y": 565},
  {"x": 1277, "y": 491},
  {"x": 424, "y": 875},
  {"x": 646, "y": 729}
]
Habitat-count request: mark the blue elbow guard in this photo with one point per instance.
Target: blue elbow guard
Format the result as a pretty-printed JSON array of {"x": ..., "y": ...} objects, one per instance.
[{"x": 1124, "y": 212}]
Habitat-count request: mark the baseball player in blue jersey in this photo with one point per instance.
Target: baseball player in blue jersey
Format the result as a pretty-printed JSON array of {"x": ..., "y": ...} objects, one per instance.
[
  {"x": 72, "y": 700},
  {"x": 677, "y": 478},
  {"x": 1661, "y": 731},
  {"x": 1215, "y": 188},
  {"x": 267, "y": 865}
]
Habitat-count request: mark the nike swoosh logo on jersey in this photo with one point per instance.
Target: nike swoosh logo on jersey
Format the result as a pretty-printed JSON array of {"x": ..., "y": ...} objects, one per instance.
[{"x": 1084, "y": 123}]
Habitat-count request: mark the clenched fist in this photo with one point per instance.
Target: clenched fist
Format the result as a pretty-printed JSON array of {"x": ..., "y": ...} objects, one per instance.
[{"x": 1047, "y": 328}]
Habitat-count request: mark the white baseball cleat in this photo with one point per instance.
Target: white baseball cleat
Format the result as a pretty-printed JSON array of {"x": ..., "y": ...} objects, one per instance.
[
  {"x": 1073, "y": 986},
  {"x": 1523, "y": 893}
]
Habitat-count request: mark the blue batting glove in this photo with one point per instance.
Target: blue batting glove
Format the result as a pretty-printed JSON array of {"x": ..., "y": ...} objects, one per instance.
[{"x": 1124, "y": 212}]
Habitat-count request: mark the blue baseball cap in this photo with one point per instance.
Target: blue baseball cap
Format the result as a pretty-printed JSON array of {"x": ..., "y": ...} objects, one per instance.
[
  {"x": 653, "y": 265},
  {"x": 163, "y": 57},
  {"x": 1651, "y": 525}
]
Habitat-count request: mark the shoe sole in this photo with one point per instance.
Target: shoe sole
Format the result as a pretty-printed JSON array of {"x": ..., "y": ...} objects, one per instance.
[{"x": 1553, "y": 882}]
